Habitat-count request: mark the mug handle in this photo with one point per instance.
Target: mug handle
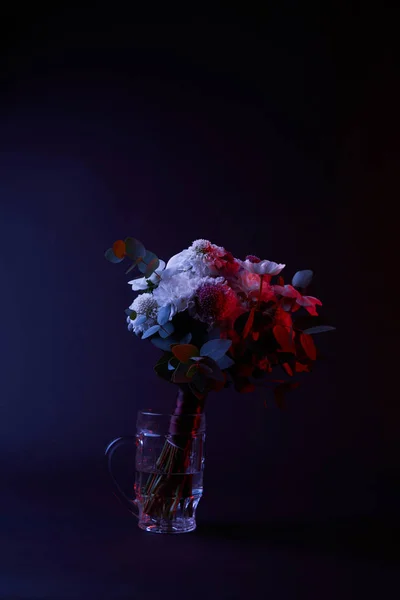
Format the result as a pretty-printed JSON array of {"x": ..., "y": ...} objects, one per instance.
[{"x": 130, "y": 503}]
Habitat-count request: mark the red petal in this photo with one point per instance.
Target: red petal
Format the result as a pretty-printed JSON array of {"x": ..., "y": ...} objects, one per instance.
[
  {"x": 284, "y": 337},
  {"x": 308, "y": 344},
  {"x": 311, "y": 310},
  {"x": 288, "y": 369},
  {"x": 300, "y": 368},
  {"x": 290, "y": 292},
  {"x": 313, "y": 300},
  {"x": 249, "y": 324}
]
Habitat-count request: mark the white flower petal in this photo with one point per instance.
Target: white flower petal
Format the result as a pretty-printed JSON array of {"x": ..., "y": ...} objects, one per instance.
[
  {"x": 179, "y": 261},
  {"x": 141, "y": 282},
  {"x": 269, "y": 267},
  {"x": 264, "y": 267},
  {"x": 138, "y": 284}
]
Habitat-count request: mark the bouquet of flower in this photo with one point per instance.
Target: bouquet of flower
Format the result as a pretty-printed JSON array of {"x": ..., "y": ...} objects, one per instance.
[{"x": 219, "y": 321}]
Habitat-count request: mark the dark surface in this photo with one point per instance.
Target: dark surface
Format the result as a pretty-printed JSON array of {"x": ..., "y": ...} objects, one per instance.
[
  {"x": 86, "y": 545},
  {"x": 274, "y": 135}
]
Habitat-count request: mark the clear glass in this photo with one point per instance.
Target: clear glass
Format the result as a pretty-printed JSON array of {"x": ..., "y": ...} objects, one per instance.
[{"x": 169, "y": 469}]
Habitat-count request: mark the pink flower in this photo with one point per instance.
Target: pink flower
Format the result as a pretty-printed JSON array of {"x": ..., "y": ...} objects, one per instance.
[
  {"x": 294, "y": 297},
  {"x": 222, "y": 262},
  {"x": 215, "y": 302},
  {"x": 249, "y": 284},
  {"x": 214, "y": 260}
]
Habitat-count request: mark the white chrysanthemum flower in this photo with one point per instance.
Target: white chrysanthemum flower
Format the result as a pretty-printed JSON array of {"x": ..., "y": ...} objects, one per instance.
[
  {"x": 146, "y": 305},
  {"x": 201, "y": 246},
  {"x": 178, "y": 289},
  {"x": 192, "y": 260}
]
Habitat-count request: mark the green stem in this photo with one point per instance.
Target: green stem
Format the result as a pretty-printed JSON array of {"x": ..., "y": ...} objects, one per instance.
[{"x": 166, "y": 488}]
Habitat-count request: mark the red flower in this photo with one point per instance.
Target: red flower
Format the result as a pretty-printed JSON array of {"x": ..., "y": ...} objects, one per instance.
[
  {"x": 215, "y": 302},
  {"x": 282, "y": 317},
  {"x": 253, "y": 259},
  {"x": 226, "y": 263}
]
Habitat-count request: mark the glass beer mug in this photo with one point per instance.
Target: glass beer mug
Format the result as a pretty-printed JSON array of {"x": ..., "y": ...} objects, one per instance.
[{"x": 169, "y": 468}]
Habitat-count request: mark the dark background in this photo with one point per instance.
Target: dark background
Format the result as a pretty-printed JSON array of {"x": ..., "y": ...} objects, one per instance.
[{"x": 274, "y": 134}]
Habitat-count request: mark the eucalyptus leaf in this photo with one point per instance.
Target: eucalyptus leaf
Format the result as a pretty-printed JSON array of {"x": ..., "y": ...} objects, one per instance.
[
  {"x": 150, "y": 331},
  {"x": 140, "y": 319},
  {"x": 319, "y": 329},
  {"x": 191, "y": 371},
  {"x": 165, "y": 344},
  {"x": 195, "y": 391},
  {"x": 171, "y": 366},
  {"x": 186, "y": 339},
  {"x": 110, "y": 256},
  {"x": 161, "y": 367},
  {"x": 225, "y": 362},
  {"x": 162, "y": 344},
  {"x": 199, "y": 382},
  {"x": 166, "y": 330},
  {"x": 214, "y": 334},
  {"x": 134, "y": 248},
  {"x": 151, "y": 267},
  {"x": 149, "y": 264},
  {"x": 302, "y": 279},
  {"x": 180, "y": 374},
  {"x": 215, "y": 373},
  {"x": 215, "y": 349},
  {"x": 204, "y": 368},
  {"x": 184, "y": 352},
  {"x": 164, "y": 314}
]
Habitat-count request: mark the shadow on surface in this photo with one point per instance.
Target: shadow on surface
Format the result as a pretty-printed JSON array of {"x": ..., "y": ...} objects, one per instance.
[{"x": 365, "y": 538}]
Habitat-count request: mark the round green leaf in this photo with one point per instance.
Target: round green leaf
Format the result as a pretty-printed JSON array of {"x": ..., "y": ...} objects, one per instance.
[
  {"x": 215, "y": 349},
  {"x": 184, "y": 352},
  {"x": 110, "y": 256},
  {"x": 163, "y": 314},
  {"x": 134, "y": 248},
  {"x": 166, "y": 330},
  {"x": 225, "y": 362},
  {"x": 149, "y": 264},
  {"x": 150, "y": 331},
  {"x": 319, "y": 329},
  {"x": 302, "y": 279}
]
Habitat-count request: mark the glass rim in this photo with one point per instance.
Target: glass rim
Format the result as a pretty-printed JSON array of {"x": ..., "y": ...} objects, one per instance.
[{"x": 153, "y": 413}]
